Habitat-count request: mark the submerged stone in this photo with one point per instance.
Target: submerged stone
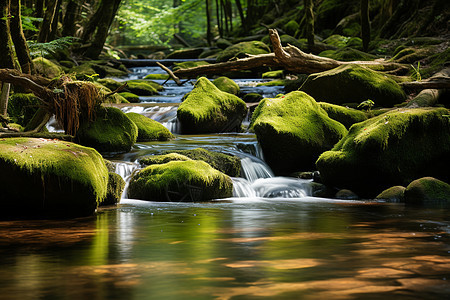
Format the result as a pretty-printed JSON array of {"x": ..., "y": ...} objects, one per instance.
[
  {"x": 293, "y": 131},
  {"x": 148, "y": 129},
  {"x": 50, "y": 178},
  {"x": 207, "y": 109},
  {"x": 185, "y": 181},
  {"x": 391, "y": 149}
]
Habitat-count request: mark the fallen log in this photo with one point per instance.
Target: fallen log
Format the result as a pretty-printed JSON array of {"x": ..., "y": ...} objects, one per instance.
[
  {"x": 429, "y": 96},
  {"x": 289, "y": 58}
]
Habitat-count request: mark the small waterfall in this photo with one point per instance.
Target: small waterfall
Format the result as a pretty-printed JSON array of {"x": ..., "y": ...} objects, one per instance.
[
  {"x": 166, "y": 115},
  {"x": 275, "y": 187},
  {"x": 53, "y": 125},
  {"x": 242, "y": 188},
  {"x": 254, "y": 169},
  {"x": 125, "y": 169}
]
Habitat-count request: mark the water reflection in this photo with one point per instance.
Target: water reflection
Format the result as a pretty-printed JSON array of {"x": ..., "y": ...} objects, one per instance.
[{"x": 283, "y": 249}]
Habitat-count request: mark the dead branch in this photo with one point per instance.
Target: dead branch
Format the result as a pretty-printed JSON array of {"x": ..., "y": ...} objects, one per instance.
[{"x": 173, "y": 76}]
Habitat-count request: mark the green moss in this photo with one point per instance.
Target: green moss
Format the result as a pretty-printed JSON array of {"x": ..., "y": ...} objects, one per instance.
[
  {"x": 228, "y": 164},
  {"x": 390, "y": 149},
  {"x": 225, "y": 84},
  {"x": 436, "y": 62},
  {"x": 279, "y": 82},
  {"x": 41, "y": 176},
  {"x": 291, "y": 27},
  {"x": 223, "y": 43},
  {"x": 83, "y": 71},
  {"x": 393, "y": 194},
  {"x": 103, "y": 91},
  {"x": 301, "y": 44},
  {"x": 112, "y": 131},
  {"x": 242, "y": 50},
  {"x": 157, "y": 76},
  {"x": 189, "y": 64},
  {"x": 180, "y": 181},
  {"x": 344, "y": 115},
  {"x": 295, "y": 121},
  {"x": 46, "y": 67},
  {"x": 162, "y": 159},
  {"x": 207, "y": 109},
  {"x": 141, "y": 88},
  {"x": 353, "y": 83},
  {"x": 110, "y": 83},
  {"x": 18, "y": 127},
  {"x": 22, "y": 107},
  {"x": 116, "y": 185},
  {"x": 148, "y": 129},
  {"x": 347, "y": 54},
  {"x": 188, "y": 53},
  {"x": 130, "y": 97},
  {"x": 210, "y": 53},
  {"x": 273, "y": 74},
  {"x": 428, "y": 192}
]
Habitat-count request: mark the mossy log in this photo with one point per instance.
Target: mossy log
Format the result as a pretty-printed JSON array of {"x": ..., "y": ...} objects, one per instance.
[
  {"x": 432, "y": 89},
  {"x": 290, "y": 58}
]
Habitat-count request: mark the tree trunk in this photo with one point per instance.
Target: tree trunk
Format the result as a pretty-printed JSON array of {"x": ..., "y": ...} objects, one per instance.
[
  {"x": 4, "y": 97},
  {"x": 431, "y": 94},
  {"x": 21, "y": 46},
  {"x": 54, "y": 26},
  {"x": 94, "y": 20},
  {"x": 309, "y": 18},
  {"x": 208, "y": 22},
  {"x": 241, "y": 15},
  {"x": 365, "y": 24},
  {"x": 46, "y": 26},
  {"x": 219, "y": 25},
  {"x": 6, "y": 54},
  {"x": 73, "y": 10}
]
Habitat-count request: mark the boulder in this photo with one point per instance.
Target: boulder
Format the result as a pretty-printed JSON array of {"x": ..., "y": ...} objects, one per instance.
[
  {"x": 243, "y": 49},
  {"x": 50, "y": 178},
  {"x": 47, "y": 68},
  {"x": 347, "y": 54},
  {"x": 148, "y": 129},
  {"x": 206, "y": 109},
  {"x": 273, "y": 74},
  {"x": 293, "y": 131},
  {"x": 189, "y": 64},
  {"x": 252, "y": 97},
  {"x": 346, "y": 116},
  {"x": 390, "y": 149},
  {"x": 353, "y": 83},
  {"x": 130, "y": 97},
  {"x": 225, "y": 84},
  {"x": 395, "y": 194},
  {"x": 112, "y": 131},
  {"x": 190, "y": 180},
  {"x": 291, "y": 27},
  {"x": 223, "y": 43},
  {"x": 116, "y": 185},
  {"x": 162, "y": 159},
  {"x": 428, "y": 192}
]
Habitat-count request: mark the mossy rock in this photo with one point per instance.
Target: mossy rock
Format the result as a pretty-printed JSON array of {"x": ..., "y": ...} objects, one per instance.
[
  {"x": 252, "y": 97},
  {"x": 138, "y": 87},
  {"x": 148, "y": 129},
  {"x": 278, "y": 82},
  {"x": 22, "y": 107},
  {"x": 116, "y": 185},
  {"x": 67, "y": 64},
  {"x": 293, "y": 131},
  {"x": 157, "y": 76},
  {"x": 337, "y": 40},
  {"x": 50, "y": 178},
  {"x": 47, "y": 68},
  {"x": 291, "y": 27},
  {"x": 347, "y": 54},
  {"x": 353, "y": 83},
  {"x": 209, "y": 110},
  {"x": 225, "y": 84},
  {"x": 212, "y": 53},
  {"x": 290, "y": 40},
  {"x": 428, "y": 192},
  {"x": 436, "y": 62},
  {"x": 185, "y": 181},
  {"x": 107, "y": 71},
  {"x": 112, "y": 131},
  {"x": 344, "y": 115},
  {"x": 189, "y": 64},
  {"x": 130, "y": 97},
  {"x": 273, "y": 74},
  {"x": 390, "y": 149},
  {"x": 223, "y": 43},
  {"x": 153, "y": 84},
  {"x": 190, "y": 53},
  {"x": 228, "y": 164},
  {"x": 162, "y": 159},
  {"x": 110, "y": 83},
  {"x": 103, "y": 91},
  {"x": 395, "y": 194},
  {"x": 243, "y": 49},
  {"x": 83, "y": 71}
]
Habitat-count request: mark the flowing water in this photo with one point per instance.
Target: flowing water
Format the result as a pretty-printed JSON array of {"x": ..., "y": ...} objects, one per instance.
[{"x": 272, "y": 240}]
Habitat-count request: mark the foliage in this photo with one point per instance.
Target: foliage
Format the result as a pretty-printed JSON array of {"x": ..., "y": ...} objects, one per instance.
[
  {"x": 52, "y": 47},
  {"x": 366, "y": 105},
  {"x": 416, "y": 72}
]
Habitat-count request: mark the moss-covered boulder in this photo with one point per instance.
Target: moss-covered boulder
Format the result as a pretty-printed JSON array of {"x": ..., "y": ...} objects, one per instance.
[
  {"x": 340, "y": 41},
  {"x": 162, "y": 159},
  {"x": 116, "y": 185},
  {"x": 346, "y": 116},
  {"x": 130, "y": 97},
  {"x": 191, "y": 180},
  {"x": 112, "y": 131},
  {"x": 157, "y": 76},
  {"x": 394, "y": 194},
  {"x": 391, "y": 149},
  {"x": 347, "y": 54},
  {"x": 148, "y": 129},
  {"x": 243, "y": 49},
  {"x": 46, "y": 67},
  {"x": 291, "y": 27},
  {"x": 428, "y": 192},
  {"x": 206, "y": 109},
  {"x": 189, "y": 64},
  {"x": 138, "y": 87},
  {"x": 353, "y": 83},
  {"x": 223, "y": 43},
  {"x": 40, "y": 177},
  {"x": 225, "y": 84},
  {"x": 22, "y": 107},
  {"x": 273, "y": 74},
  {"x": 293, "y": 131}
]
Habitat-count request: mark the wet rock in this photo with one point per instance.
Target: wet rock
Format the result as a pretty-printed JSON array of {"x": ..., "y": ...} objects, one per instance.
[
  {"x": 243, "y": 49},
  {"x": 116, "y": 185},
  {"x": 252, "y": 97},
  {"x": 47, "y": 68},
  {"x": 346, "y": 116},
  {"x": 273, "y": 74},
  {"x": 428, "y": 192},
  {"x": 345, "y": 194},
  {"x": 352, "y": 83},
  {"x": 206, "y": 109},
  {"x": 293, "y": 131},
  {"x": 184, "y": 181},
  {"x": 391, "y": 149},
  {"x": 148, "y": 129},
  {"x": 395, "y": 194},
  {"x": 130, "y": 97},
  {"x": 225, "y": 84},
  {"x": 50, "y": 178},
  {"x": 322, "y": 191}
]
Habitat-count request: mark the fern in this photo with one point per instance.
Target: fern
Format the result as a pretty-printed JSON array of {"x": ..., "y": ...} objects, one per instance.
[{"x": 51, "y": 48}]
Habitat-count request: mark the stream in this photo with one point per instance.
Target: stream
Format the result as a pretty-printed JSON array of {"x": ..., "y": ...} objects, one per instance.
[{"x": 271, "y": 240}]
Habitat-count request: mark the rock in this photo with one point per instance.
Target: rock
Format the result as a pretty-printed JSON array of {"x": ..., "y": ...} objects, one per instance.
[
  {"x": 157, "y": 76},
  {"x": 347, "y": 54},
  {"x": 211, "y": 53},
  {"x": 428, "y": 192},
  {"x": 207, "y": 109},
  {"x": 390, "y": 149},
  {"x": 291, "y": 27},
  {"x": 112, "y": 131},
  {"x": 22, "y": 107},
  {"x": 353, "y": 83},
  {"x": 225, "y": 84},
  {"x": 344, "y": 115},
  {"x": 189, "y": 64},
  {"x": 340, "y": 41},
  {"x": 345, "y": 194},
  {"x": 290, "y": 40},
  {"x": 293, "y": 131},
  {"x": 47, "y": 68},
  {"x": 50, "y": 178},
  {"x": 321, "y": 190},
  {"x": 190, "y": 180},
  {"x": 103, "y": 91},
  {"x": 223, "y": 43},
  {"x": 130, "y": 97},
  {"x": 162, "y": 159},
  {"x": 395, "y": 194},
  {"x": 116, "y": 185},
  {"x": 148, "y": 129},
  {"x": 252, "y": 97},
  {"x": 243, "y": 49},
  {"x": 143, "y": 87},
  {"x": 110, "y": 83},
  {"x": 273, "y": 74},
  {"x": 277, "y": 82},
  {"x": 185, "y": 53},
  {"x": 84, "y": 71}
]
